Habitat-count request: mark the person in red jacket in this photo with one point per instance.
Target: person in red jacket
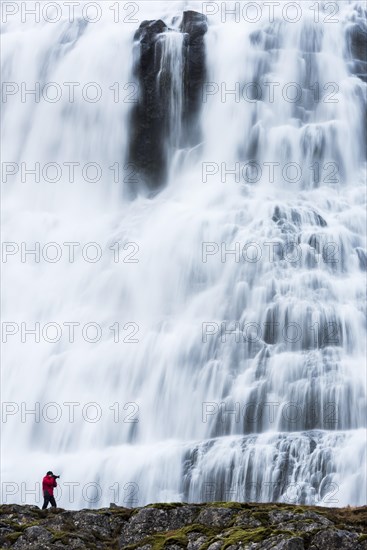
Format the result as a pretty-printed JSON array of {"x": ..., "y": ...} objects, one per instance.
[{"x": 48, "y": 484}]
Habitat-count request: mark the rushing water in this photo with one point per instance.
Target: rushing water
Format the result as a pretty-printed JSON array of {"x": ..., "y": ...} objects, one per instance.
[{"x": 235, "y": 365}]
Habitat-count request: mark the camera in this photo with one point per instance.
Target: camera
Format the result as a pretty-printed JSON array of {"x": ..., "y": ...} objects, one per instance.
[{"x": 55, "y": 477}]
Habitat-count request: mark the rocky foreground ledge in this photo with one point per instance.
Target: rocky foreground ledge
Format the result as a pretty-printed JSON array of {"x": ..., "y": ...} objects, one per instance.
[{"x": 214, "y": 526}]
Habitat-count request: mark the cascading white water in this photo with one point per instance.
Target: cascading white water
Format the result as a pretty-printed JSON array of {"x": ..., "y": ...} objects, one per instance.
[
  {"x": 189, "y": 332},
  {"x": 170, "y": 75}
]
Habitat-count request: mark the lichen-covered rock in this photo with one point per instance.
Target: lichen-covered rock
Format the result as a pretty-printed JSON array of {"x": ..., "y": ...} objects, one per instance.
[
  {"x": 195, "y": 540},
  {"x": 155, "y": 520},
  {"x": 213, "y": 526},
  {"x": 279, "y": 543},
  {"x": 33, "y": 537},
  {"x": 246, "y": 519},
  {"x": 335, "y": 539},
  {"x": 218, "y": 517},
  {"x": 305, "y": 522},
  {"x": 89, "y": 521}
]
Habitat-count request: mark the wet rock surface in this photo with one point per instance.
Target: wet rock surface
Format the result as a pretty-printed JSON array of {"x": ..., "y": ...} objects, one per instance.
[
  {"x": 150, "y": 116},
  {"x": 211, "y": 526},
  {"x": 357, "y": 40},
  {"x": 194, "y": 26}
]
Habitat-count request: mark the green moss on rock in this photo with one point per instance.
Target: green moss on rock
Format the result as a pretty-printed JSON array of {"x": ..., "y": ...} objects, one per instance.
[
  {"x": 13, "y": 537},
  {"x": 159, "y": 541},
  {"x": 61, "y": 524},
  {"x": 263, "y": 517}
]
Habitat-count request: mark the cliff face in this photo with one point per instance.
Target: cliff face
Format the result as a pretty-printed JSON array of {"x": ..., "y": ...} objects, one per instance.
[
  {"x": 150, "y": 124},
  {"x": 214, "y": 526}
]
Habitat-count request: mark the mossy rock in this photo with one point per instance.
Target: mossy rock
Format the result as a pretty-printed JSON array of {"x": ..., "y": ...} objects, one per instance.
[
  {"x": 234, "y": 505},
  {"x": 236, "y": 535},
  {"x": 159, "y": 541},
  {"x": 124, "y": 513},
  {"x": 13, "y": 537},
  {"x": 349, "y": 518},
  {"x": 166, "y": 505},
  {"x": 20, "y": 526},
  {"x": 263, "y": 517},
  {"x": 64, "y": 537}
]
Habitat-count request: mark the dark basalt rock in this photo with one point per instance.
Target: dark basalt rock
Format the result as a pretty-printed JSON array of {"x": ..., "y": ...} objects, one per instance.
[
  {"x": 149, "y": 119},
  {"x": 331, "y": 539},
  {"x": 358, "y": 41},
  {"x": 194, "y": 25},
  {"x": 214, "y": 526},
  {"x": 362, "y": 257},
  {"x": 357, "y": 45}
]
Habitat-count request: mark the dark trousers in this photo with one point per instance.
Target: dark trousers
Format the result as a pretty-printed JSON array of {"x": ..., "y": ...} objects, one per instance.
[{"x": 48, "y": 499}]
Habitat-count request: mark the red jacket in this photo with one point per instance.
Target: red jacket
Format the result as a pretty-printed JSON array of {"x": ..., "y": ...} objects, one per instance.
[{"x": 48, "y": 484}]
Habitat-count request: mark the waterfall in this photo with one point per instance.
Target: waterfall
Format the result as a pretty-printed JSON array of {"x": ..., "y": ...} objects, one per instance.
[
  {"x": 170, "y": 76},
  {"x": 184, "y": 252}
]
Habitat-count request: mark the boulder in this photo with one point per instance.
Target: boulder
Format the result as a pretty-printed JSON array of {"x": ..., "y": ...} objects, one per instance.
[
  {"x": 331, "y": 539},
  {"x": 155, "y": 520}
]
